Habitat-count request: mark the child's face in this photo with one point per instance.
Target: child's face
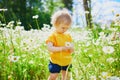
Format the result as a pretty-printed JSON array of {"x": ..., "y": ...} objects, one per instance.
[{"x": 62, "y": 28}]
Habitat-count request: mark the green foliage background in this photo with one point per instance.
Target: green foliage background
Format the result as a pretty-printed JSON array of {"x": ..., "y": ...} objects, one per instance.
[{"x": 23, "y": 10}]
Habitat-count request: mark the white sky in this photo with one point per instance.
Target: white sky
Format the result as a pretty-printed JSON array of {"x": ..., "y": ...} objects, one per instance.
[{"x": 101, "y": 10}]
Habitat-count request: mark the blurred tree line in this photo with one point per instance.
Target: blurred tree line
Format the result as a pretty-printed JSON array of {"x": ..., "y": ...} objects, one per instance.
[
  {"x": 24, "y": 10},
  {"x": 88, "y": 15}
]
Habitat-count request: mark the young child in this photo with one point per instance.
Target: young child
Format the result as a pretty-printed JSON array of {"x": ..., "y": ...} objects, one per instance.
[{"x": 59, "y": 45}]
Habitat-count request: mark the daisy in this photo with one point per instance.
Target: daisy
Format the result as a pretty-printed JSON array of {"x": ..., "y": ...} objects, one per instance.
[
  {"x": 13, "y": 58},
  {"x": 105, "y": 75},
  {"x": 35, "y": 17},
  {"x": 31, "y": 62},
  {"x": 108, "y": 49},
  {"x": 110, "y": 60},
  {"x": 68, "y": 44},
  {"x": 93, "y": 78}
]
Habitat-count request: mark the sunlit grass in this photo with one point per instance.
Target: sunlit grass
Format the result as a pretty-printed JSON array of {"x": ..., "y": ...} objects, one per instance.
[{"x": 24, "y": 56}]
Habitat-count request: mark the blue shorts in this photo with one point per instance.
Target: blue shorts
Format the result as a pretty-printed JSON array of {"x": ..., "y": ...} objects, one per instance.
[{"x": 55, "y": 68}]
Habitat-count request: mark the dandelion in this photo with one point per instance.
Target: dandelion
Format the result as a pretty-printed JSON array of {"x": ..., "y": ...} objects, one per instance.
[
  {"x": 35, "y": 17},
  {"x": 108, "y": 49}
]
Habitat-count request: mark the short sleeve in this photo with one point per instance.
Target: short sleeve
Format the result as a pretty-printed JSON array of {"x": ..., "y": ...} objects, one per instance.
[
  {"x": 51, "y": 38},
  {"x": 70, "y": 38}
]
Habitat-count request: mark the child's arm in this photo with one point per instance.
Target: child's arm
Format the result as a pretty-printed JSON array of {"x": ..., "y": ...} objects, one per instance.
[{"x": 56, "y": 49}]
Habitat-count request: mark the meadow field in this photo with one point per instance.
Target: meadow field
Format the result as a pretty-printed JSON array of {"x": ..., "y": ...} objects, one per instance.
[{"x": 24, "y": 55}]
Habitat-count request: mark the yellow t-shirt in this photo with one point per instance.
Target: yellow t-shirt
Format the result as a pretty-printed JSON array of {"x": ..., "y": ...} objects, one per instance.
[{"x": 62, "y": 58}]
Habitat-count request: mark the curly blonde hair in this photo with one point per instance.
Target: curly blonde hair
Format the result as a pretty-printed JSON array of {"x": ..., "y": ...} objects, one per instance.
[{"x": 61, "y": 17}]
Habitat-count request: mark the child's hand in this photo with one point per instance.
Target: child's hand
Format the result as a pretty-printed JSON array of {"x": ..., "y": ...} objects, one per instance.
[
  {"x": 69, "y": 49},
  {"x": 70, "y": 46},
  {"x": 64, "y": 48}
]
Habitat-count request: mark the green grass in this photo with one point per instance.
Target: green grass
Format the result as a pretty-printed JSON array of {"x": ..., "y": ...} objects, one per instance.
[{"x": 89, "y": 60}]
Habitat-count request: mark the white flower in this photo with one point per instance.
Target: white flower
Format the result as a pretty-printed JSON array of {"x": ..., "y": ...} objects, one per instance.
[
  {"x": 93, "y": 78},
  {"x": 33, "y": 53},
  {"x": 3, "y": 25},
  {"x": 90, "y": 55},
  {"x": 103, "y": 27},
  {"x": 68, "y": 44},
  {"x": 110, "y": 60},
  {"x": 86, "y": 12},
  {"x": 3, "y": 9},
  {"x": 19, "y": 23},
  {"x": 23, "y": 55},
  {"x": 19, "y": 28},
  {"x": 46, "y": 27},
  {"x": 13, "y": 58},
  {"x": 87, "y": 44},
  {"x": 10, "y": 77},
  {"x": 97, "y": 42},
  {"x": 89, "y": 65},
  {"x": 31, "y": 62},
  {"x": 10, "y": 24},
  {"x": 101, "y": 34},
  {"x": 85, "y": 50},
  {"x": 113, "y": 78},
  {"x": 113, "y": 29},
  {"x": 35, "y": 17},
  {"x": 105, "y": 75},
  {"x": 112, "y": 42},
  {"x": 108, "y": 49}
]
